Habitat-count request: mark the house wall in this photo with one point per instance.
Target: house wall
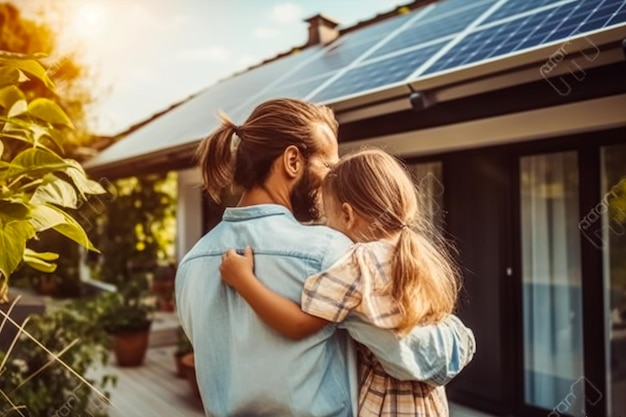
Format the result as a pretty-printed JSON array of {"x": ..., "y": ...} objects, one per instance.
[{"x": 189, "y": 211}]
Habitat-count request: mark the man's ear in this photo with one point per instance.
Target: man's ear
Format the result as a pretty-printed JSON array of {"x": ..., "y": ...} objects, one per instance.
[{"x": 292, "y": 161}]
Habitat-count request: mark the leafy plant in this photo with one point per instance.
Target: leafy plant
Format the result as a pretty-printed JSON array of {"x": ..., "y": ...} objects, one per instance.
[
  {"x": 39, "y": 384},
  {"x": 125, "y": 312},
  {"x": 38, "y": 187},
  {"x": 136, "y": 230}
]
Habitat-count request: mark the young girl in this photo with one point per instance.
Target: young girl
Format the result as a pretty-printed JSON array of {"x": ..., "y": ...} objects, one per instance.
[{"x": 396, "y": 277}]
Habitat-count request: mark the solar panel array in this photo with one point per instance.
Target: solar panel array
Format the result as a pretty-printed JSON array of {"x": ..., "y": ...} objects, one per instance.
[
  {"x": 558, "y": 22},
  {"x": 441, "y": 37},
  {"x": 377, "y": 73},
  {"x": 476, "y": 31}
]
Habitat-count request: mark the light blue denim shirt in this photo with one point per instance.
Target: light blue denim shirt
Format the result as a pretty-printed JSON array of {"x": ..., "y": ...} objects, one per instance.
[{"x": 244, "y": 368}]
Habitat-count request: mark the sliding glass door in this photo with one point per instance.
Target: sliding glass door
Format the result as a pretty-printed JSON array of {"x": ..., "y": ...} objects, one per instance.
[{"x": 551, "y": 283}]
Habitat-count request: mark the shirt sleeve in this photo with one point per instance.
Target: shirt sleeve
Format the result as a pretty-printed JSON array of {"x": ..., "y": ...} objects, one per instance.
[
  {"x": 433, "y": 354},
  {"x": 332, "y": 294}
]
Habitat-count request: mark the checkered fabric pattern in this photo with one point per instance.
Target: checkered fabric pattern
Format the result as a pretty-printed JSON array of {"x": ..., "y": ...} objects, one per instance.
[{"x": 357, "y": 284}]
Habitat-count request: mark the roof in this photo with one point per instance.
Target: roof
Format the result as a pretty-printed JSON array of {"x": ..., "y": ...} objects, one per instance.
[{"x": 417, "y": 43}]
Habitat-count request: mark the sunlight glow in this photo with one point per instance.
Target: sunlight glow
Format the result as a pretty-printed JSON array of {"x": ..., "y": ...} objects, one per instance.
[{"x": 90, "y": 19}]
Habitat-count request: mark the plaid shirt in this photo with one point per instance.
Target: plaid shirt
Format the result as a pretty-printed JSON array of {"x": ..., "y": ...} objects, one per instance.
[{"x": 358, "y": 284}]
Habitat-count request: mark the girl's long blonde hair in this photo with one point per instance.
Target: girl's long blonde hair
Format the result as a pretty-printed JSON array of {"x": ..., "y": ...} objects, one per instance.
[{"x": 425, "y": 280}]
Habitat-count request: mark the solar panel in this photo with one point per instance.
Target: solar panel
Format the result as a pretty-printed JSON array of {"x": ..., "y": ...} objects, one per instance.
[
  {"x": 295, "y": 90},
  {"x": 516, "y": 7},
  {"x": 338, "y": 57},
  {"x": 376, "y": 74},
  {"x": 379, "y": 30},
  {"x": 444, "y": 8},
  {"x": 557, "y": 23},
  {"x": 351, "y": 46},
  {"x": 433, "y": 28}
]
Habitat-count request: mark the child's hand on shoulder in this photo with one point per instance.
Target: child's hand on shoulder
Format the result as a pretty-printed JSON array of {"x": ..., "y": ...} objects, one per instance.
[{"x": 235, "y": 269}]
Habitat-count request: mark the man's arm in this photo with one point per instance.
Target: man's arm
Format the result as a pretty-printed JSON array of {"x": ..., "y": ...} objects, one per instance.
[{"x": 434, "y": 354}]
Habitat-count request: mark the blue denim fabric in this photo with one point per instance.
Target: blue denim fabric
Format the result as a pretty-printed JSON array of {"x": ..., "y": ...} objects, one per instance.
[
  {"x": 434, "y": 354},
  {"x": 243, "y": 367}
]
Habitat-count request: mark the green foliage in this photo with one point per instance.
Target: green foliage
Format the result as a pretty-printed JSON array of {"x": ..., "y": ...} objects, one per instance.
[
  {"x": 37, "y": 185},
  {"x": 75, "y": 90},
  {"x": 125, "y": 312},
  {"x": 136, "y": 229},
  {"x": 54, "y": 388}
]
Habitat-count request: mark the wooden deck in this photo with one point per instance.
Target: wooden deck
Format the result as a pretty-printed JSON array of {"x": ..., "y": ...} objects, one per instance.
[{"x": 153, "y": 389}]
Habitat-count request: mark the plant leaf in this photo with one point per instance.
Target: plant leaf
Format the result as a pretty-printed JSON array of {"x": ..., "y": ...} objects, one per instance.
[
  {"x": 19, "y": 107},
  {"x": 48, "y": 111},
  {"x": 44, "y": 217},
  {"x": 36, "y": 162},
  {"x": 71, "y": 229},
  {"x": 80, "y": 180},
  {"x": 31, "y": 67},
  {"x": 13, "y": 237},
  {"x": 55, "y": 190},
  {"x": 46, "y": 256},
  {"x": 40, "y": 265},
  {"x": 13, "y": 211},
  {"x": 9, "y": 76},
  {"x": 9, "y": 95},
  {"x": 41, "y": 260},
  {"x": 53, "y": 134}
]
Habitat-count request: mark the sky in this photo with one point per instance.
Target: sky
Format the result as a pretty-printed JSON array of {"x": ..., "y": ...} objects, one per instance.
[{"x": 149, "y": 54}]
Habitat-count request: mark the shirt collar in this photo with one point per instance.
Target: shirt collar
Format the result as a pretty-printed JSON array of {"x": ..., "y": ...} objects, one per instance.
[{"x": 233, "y": 214}]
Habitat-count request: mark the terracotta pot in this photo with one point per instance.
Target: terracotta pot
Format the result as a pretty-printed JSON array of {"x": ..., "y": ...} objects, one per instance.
[
  {"x": 180, "y": 367},
  {"x": 190, "y": 372},
  {"x": 130, "y": 348},
  {"x": 46, "y": 285},
  {"x": 166, "y": 305},
  {"x": 160, "y": 286}
]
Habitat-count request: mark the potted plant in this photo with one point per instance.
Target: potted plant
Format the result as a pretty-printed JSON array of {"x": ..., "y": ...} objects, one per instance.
[
  {"x": 189, "y": 368},
  {"x": 163, "y": 286},
  {"x": 183, "y": 348},
  {"x": 127, "y": 318}
]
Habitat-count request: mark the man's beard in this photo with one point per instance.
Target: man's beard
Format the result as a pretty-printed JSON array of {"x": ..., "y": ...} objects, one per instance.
[{"x": 305, "y": 199}]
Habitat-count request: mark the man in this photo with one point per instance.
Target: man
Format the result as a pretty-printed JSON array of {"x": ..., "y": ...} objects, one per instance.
[{"x": 279, "y": 157}]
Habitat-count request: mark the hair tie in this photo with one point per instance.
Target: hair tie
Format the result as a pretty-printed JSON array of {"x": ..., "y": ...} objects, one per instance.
[
  {"x": 235, "y": 139},
  {"x": 404, "y": 226}
]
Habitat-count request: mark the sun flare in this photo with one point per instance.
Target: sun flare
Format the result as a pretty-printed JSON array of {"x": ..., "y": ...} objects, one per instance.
[{"x": 90, "y": 19}]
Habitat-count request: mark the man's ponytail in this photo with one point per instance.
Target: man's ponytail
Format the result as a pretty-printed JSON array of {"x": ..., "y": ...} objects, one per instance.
[{"x": 217, "y": 159}]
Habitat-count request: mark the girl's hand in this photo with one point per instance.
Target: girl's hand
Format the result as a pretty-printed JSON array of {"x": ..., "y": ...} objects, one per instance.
[{"x": 237, "y": 270}]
